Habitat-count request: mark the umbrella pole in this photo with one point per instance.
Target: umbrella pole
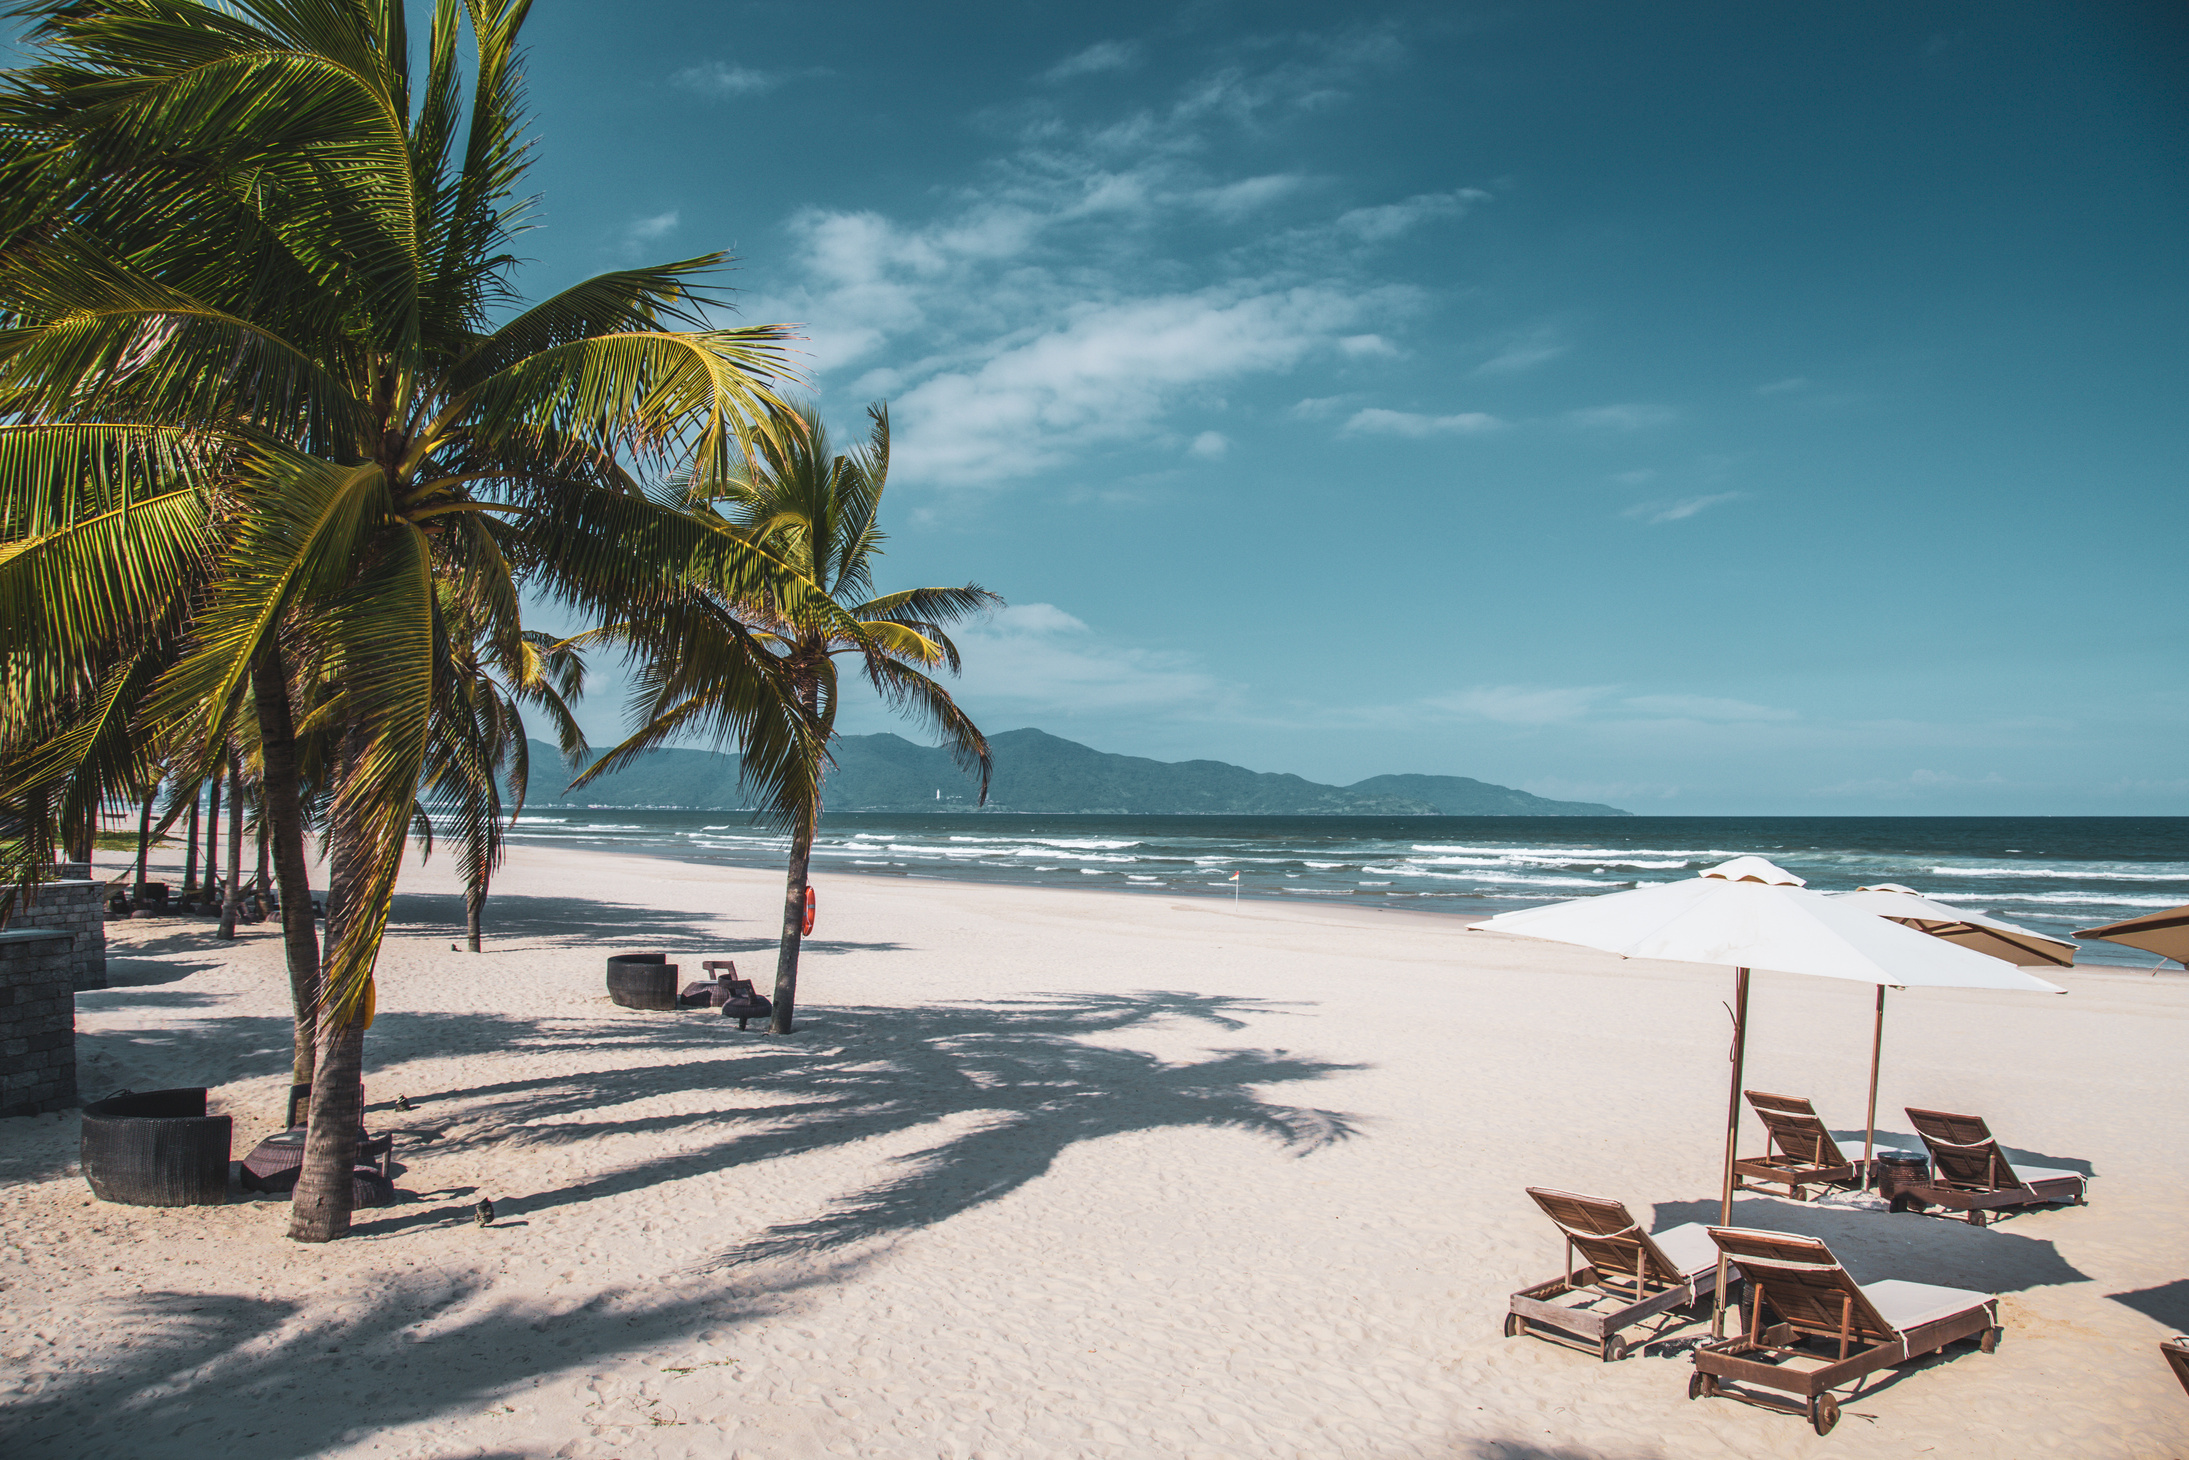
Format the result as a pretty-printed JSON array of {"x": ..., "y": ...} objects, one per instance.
[
  {"x": 1869, "y": 1134},
  {"x": 1732, "y": 1132}
]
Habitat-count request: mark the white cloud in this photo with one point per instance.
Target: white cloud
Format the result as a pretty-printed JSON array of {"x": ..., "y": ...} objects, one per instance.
[
  {"x": 1234, "y": 201},
  {"x": 1100, "y": 57},
  {"x": 1048, "y": 313},
  {"x": 1680, "y": 510},
  {"x": 1388, "y": 220},
  {"x": 1211, "y": 446},
  {"x": 1781, "y": 387},
  {"x": 1108, "y": 375},
  {"x": 1636, "y": 477},
  {"x": 1916, "y": 785},
  {"x": 1509, "y": 704},
  {"x": 640, "y": 232},
  {"x": 1600, "y": 703},
  {"x": 1620, "y": 417},
  {"x": 1537, "y": 347},
  {"x": 1320, "y": 407},
  {"x": 1036, "y": 658},
  {"x": 1702, "y": 707},
  {"x": 721, "y": 79},
  {"x": 1375, "y": 421}
]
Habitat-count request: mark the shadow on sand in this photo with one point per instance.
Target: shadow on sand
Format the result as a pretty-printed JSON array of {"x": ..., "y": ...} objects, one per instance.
[
  {"x": 1850, "y": 1145},
  {"x": 2168, "y": 1303},
  {"x": 1005, "y": 1087}
]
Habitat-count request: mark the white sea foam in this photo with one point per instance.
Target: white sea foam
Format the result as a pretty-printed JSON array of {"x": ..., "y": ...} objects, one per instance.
[
  {"x": 2061, "y": 873},
  {"x": 1099, "y": 844},
  {"x": 2081, "y": 899},
  {"x": 1571, "y": 854}
]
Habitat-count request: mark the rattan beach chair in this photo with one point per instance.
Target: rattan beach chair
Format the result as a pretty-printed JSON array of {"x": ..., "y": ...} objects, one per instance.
[
  {"x": 1971, "y": 1175},
  {"x": 275, "y": 1163},
  {"x": 1802, "y": 1152},
  {"x": 1830, "y": 1330},
  {"x": 1627, "y": 1275}
]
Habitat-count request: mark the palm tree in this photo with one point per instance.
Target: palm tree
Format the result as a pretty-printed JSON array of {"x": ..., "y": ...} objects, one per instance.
[
  {"x": 481, "y": 743},
  {"x": 819, "y": 512},
  {"x": 242, "y": 244}
]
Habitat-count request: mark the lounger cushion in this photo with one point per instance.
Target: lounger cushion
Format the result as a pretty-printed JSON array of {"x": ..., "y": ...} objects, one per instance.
[
  {"x": 1690, "y": 1248},
  {"x": 1908, "y": 1305},
  {"x": 2045, "y": 1173}
]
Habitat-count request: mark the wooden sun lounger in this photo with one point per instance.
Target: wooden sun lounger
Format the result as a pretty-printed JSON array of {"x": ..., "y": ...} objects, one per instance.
[
  {"x": 1802, "y": 1151},
  {"x": 1831, "y": 1330},
  {"x": 2177, "y": 1357},
  {"x": 1628, "y": 1275},
  {"x": 1971, "y": 1175}
]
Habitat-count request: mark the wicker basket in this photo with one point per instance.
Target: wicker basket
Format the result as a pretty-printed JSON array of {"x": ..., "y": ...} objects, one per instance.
[
  {"x": 156, "y": 1149},
  {"x": 642, "y": 981}
]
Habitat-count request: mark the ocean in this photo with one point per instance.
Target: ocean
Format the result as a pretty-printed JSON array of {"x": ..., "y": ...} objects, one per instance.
[{"x": 2052, "y": 874}]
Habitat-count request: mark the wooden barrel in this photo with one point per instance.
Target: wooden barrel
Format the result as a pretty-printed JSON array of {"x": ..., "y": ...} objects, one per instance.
[
  {"x": 156, "y": 1149},
  {"x": 642, "y": 981}
]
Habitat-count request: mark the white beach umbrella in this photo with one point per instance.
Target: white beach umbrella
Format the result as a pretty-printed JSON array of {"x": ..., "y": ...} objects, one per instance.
[
  {"x": 1750, "y": 914},
  {"x": 2017, "y": 945}
]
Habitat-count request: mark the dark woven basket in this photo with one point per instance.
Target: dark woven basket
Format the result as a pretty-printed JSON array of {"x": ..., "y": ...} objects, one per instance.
[
  {"x": 157, "y": 1149},
  {"x": 642, "y": 981}
]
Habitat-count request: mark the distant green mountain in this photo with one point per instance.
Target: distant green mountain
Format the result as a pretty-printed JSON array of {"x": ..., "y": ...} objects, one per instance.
[{"x": 1036, "y": 771}]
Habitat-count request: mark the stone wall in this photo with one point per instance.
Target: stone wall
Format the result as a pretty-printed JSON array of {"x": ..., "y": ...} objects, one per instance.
[
  {"x": 76, "y": 907},
  {"x": 37, "y": 1022}
]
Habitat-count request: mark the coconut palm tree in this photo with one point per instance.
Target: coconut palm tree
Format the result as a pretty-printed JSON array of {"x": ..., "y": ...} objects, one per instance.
[
  {"x": 819, "y": 511},
  {"x": 247, "y": 245},
  {"x": 481, "y": 744}
]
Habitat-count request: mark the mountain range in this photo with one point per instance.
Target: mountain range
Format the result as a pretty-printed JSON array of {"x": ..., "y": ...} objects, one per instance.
[{"x": 1039, "y": 772}]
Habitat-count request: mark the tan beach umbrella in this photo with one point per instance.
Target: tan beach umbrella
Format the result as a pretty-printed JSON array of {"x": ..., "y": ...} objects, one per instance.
[
  {"x": 1751, "y": 914},
  {"x": 2164, "y": 933},
  {"x": 2017, "y": 945},
  {"x": 2003, "y": 940}
]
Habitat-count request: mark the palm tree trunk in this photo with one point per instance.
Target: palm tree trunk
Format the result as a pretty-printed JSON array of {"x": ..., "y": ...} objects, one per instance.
[
  {"x": 231, "y": 907},
  {"x": 285, "y": 815},
  {"x": 324, "y": 1193},
  {"x": 474, "y": 910},
  {"x": 794, "y": 924},
  {"x": 212, "y": 840},
  {"x": 260, "y": 883},
  {"x": 144, "y": 842},
  {"x": 190, "y": 856}
]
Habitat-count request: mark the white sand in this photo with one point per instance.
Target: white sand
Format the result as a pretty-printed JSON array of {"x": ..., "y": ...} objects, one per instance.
[{"x": 1045, "y": 1174}]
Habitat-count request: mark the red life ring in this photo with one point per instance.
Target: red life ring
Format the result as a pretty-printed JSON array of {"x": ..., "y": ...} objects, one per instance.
[{"x": 807, "y": 930}]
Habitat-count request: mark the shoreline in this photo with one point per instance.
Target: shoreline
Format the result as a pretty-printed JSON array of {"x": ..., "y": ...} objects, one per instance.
[{"x": 1480, "y": 906}]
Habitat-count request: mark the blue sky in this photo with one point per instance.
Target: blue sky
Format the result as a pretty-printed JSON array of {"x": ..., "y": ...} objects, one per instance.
[{"x": 1711, "y": 408}]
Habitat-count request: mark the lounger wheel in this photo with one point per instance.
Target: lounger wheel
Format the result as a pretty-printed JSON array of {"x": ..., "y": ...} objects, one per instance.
[
  {"x": 1975, "y": 1218},
  {"x": 1614, "y": 1349},
  {"x": 1989, "y": 1342},
  {"x": 1702, "y": 1386},
  {"x": 1823, "y": 1413},
  {"x": 1515, "y": 1325}
]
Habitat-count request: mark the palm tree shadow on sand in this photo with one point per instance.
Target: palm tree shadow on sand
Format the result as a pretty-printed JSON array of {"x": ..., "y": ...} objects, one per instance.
[
  {"x": 1015, "y": 1083},
  {"x": 1021, "y": 1081}
]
